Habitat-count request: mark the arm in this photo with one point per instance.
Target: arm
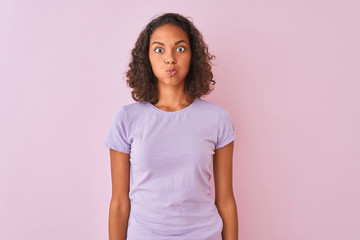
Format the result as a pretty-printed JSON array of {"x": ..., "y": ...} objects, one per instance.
[
  {"x": 120, "y": 203},
  {"x": 224, "y": 196}
]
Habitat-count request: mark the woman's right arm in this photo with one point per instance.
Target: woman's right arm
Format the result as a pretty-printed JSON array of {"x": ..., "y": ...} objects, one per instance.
[{"x": 120, "y": 203}]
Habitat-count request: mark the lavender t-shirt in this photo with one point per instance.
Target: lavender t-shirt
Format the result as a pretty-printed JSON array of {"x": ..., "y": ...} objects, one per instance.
[{"x": 171, "y": 157}]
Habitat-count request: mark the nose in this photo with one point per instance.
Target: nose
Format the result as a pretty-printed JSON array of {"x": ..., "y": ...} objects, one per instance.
[{"x": 170, "y": 60}]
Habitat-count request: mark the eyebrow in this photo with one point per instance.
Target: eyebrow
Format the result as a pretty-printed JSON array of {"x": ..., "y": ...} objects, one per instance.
[{"x": 160, "y": 43}]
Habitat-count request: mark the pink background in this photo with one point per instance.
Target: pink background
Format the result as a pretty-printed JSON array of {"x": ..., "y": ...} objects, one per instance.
[{"x": 287, "y": 72}]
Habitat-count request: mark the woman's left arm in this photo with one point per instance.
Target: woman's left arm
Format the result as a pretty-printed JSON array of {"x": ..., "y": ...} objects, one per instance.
[{"x": 224, "y": 196}]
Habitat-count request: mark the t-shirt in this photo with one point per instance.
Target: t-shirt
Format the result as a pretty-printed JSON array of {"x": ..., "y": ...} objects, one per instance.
[{"x": 171, "y": 160}]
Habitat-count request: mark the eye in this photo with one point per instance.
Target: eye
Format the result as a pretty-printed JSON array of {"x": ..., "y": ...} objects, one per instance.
[
  {"x": 180, "y": 49},
  {"x": 158, "y": 50}
]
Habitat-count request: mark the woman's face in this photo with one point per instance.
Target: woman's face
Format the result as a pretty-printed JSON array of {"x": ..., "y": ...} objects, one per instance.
[{"x": 170, "y": 54}]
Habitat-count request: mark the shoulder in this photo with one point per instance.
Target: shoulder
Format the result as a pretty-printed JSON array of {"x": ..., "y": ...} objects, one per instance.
[
  {"x": 213, "y": 108},
  {"x": 216, "y": 112},
  {"x": 131, "y": 109}
]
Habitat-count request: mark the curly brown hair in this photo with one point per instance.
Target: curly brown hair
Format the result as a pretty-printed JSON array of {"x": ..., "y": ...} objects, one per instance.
[{"x": 141, "y": 77}]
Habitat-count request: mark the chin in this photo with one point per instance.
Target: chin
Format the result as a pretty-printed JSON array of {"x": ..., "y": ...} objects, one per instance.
[{"x": 171, "y": 81}]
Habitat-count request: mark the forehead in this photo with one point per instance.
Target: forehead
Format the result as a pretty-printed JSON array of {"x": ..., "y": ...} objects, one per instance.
[{"x": 169, "y": 33}]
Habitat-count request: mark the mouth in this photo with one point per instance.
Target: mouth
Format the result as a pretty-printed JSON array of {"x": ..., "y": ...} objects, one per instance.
[{"x": 171, "y": 72}]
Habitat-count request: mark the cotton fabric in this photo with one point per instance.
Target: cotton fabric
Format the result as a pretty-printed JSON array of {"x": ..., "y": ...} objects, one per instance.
[{"x": 171, "y": 160}]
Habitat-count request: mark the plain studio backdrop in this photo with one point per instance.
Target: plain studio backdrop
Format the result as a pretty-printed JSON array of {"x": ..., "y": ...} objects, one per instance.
[{"x": 286, "y": 71}]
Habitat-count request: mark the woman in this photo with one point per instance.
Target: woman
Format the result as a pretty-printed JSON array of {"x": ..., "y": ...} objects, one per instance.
[{"x": 163, "y": 146}]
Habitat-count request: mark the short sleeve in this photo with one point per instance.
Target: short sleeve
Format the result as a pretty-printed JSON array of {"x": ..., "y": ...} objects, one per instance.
[
  {"x": 225, "y": 129},
  {"x": 117, "y": 135}
]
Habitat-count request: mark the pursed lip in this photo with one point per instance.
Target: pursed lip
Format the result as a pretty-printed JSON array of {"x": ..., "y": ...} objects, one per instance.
[{"x": 171, "y": 72}]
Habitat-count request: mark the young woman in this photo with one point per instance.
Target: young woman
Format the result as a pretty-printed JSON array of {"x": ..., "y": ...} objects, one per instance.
[{"x": 164, "y": 146}]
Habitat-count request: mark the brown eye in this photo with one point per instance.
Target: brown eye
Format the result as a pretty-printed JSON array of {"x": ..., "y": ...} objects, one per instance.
[
  {"x": 180, "y": 49},
  {"x": 158, "y": 50}
]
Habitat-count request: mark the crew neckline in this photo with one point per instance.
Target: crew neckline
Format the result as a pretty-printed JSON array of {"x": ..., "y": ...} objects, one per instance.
[{"x": 173, "y": 112}]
